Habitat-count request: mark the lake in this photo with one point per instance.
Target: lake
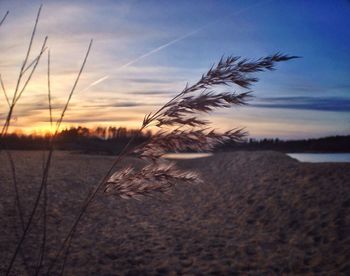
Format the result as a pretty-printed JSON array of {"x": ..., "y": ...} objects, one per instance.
[
  {"x": 186, "y": 155},
  {"x": 302, "y": 157},
  {"x": 321, "y": 157}
]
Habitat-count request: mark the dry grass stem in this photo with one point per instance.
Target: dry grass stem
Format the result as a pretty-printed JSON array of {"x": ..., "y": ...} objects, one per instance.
[
  {"x": 25, "y": 61},
  {"x": 4, "y": 18},
  {"x": 33, "y": 68},
  {"x": 59, "y": 121},
  {"x": 35, "y": 60},
  {"x": 43, "y": 243},
  {"x": 4, "y": 91},
  {"x": 49, "y": 86}
]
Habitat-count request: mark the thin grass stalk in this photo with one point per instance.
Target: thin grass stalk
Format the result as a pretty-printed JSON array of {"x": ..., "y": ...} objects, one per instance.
[
  {"x": 148, "y": 118},
  {"x": 22, "y": 253},
  {"x": 43, "y": 243},
  {"x": 49, "y": 86},
  {"x": 27, "y": 55},
  {"x": 73, "y": 89},
  {"x": 47, "y": 167},
  {"x": 44, "y": 211},
  {"x": 34, "y": 60},
  {"x": 34, "y": 66},
  {"x": 4, "y": 18},
  {"x": 91, "y": 196},
  {"x": 125, "y": 151},
  {"x": 15, "y": 185},
  {"x": 26, "y": 229},
  {"x": 65, "y": 258},
  {"x": 17, "y": 205},
  {"x": 4, "y": 91}
]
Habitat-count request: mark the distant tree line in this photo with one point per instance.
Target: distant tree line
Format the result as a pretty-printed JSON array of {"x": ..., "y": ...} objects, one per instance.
[
  {"x": 104, "y": 140},
  {"x": 326, "y": 144},
  {"x": 110, "y": 140}
]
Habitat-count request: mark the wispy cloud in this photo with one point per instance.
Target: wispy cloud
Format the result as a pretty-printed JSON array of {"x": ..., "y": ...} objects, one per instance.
[
  {"x": 336, "y": 104},
  {"x": 160, "y": 48},
  {"x": 117, "y": 104},
  {"x": 149, "y": 80},
  {"x": 153, "y": 92}
]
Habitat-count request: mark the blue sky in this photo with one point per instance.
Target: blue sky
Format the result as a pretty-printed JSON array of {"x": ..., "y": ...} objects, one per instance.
[{"x": 145, "y": 51}]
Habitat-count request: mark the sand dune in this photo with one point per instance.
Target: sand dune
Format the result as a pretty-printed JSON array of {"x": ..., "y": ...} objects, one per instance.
[{"x": 256, "y": 213}]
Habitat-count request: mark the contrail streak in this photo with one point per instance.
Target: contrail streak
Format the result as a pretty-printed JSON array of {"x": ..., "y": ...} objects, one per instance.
[
  {"x": 159, "y": 48},
  {"x": 166, "y": 45},
  {"x": 96, "y": 82}
]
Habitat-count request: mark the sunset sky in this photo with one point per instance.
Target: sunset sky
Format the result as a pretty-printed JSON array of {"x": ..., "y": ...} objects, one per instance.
[{"x": 144, "y": 52}]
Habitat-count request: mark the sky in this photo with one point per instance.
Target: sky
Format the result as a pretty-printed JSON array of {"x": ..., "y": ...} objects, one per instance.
[{"x": 144, "y": 52}]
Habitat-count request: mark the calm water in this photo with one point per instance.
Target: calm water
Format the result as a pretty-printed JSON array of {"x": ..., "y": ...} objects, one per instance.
[
  {"x": 302, "y": 157},
  {"x": 321, "y": 157},
  {"x": 186, "y": 155}
]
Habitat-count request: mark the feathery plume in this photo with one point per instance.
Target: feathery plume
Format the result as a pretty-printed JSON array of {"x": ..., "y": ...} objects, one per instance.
[
  {"x": 152, "y": 178},
  {"x": 197, "y": 140},
  {"x": 193, "y": 133}
]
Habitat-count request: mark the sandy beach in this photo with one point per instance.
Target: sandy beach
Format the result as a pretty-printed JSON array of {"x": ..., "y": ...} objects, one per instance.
[{"x": 257, "y": 213}]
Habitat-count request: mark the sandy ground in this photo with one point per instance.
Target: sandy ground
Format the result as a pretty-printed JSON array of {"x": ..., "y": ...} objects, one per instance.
[{"x": 257, "y": 213}]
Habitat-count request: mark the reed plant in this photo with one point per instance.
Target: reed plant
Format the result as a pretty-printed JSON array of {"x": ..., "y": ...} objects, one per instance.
[
  {"x": 179, "y": 125},
  {"x": 180, "y": 129}
]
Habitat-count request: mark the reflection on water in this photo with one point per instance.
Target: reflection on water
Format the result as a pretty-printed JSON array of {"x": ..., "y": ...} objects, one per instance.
[
  {"x": 302, "y": 157},
  {"x": 186, "y": 155},
  {"x": 321, "y": 157}
]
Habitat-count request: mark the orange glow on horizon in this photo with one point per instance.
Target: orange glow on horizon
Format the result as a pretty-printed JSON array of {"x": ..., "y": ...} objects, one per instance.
[{"x": 46, "y": 130}]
